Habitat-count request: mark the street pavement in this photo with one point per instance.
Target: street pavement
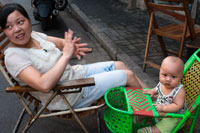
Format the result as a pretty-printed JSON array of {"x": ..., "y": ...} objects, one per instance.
[{"x": 113, "y": 32}]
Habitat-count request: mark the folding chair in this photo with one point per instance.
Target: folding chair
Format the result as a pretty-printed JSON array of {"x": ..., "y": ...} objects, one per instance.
[
  {"x": 181, "y": 30},
  {"x": 125, "y": 103},
  {"x": 23, "y": 93}
]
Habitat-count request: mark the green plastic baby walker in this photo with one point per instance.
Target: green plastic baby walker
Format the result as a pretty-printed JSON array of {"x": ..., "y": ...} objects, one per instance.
[{"x": 123, "y": 103}]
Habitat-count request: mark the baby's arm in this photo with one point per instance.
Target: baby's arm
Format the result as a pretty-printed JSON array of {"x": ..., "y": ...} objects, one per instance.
[
  {"x": 150, "y": 92},
  {"x": 175, "y": 106}
]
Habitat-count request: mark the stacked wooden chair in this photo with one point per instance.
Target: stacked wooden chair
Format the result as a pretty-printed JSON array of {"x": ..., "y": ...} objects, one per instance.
[
  {"x": 27, "y": 100},
  {"x": 123, "y": 103},
  {"x": 181, "y": 30}
]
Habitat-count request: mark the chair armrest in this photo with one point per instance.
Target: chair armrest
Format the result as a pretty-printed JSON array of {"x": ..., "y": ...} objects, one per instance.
[
  {"x": 76, "y": 84},
  {"x": 69, "y": 85},
  {"x": 20, "y": 89}
]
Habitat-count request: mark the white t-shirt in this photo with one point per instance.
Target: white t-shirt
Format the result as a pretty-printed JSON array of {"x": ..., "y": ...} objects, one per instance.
[{"x": 17, "y": 59}]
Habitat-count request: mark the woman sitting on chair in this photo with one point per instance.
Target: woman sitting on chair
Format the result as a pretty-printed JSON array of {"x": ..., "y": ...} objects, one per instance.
[{"x": 42, "y": 62}]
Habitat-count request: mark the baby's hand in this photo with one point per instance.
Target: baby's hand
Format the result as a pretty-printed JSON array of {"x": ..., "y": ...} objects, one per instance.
[
  {"x": 147, "y": 91},
  {"x": 159, "y": 107}
]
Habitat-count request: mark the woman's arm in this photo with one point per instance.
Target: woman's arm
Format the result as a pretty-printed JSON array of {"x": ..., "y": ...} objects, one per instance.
[
  {"x": 45, "y": 82},
  {"x": 59, "y": 42}
]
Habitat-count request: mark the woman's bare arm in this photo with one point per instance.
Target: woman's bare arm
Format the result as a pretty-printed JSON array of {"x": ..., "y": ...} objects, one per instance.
[{"x": 45, "y": 82}]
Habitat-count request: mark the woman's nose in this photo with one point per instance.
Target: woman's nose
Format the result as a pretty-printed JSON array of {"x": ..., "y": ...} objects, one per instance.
[{"x": 16, "y": 29}]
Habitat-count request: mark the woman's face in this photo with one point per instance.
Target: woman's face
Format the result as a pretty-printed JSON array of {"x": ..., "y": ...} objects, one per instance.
[{"x": 18, "y": 29}]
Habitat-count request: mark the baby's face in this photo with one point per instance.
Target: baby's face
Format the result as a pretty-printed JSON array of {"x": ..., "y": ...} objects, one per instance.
[{"x": 170, "y": 75}]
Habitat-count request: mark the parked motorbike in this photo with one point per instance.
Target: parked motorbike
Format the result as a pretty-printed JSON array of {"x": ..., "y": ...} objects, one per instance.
[{"x": 47, "y": 10}]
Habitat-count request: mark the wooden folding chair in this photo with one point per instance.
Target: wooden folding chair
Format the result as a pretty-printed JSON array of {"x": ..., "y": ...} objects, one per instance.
[
  {"x": 123, "y": 103},
  {"x": 23, "y": 93},
  {"x": 181, "y": 31}
]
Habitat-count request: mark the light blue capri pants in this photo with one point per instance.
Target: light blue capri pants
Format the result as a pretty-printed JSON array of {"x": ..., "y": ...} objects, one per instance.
[{"x": 105, "y": 77}]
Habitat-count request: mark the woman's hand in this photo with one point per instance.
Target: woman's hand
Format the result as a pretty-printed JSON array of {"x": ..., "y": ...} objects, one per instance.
[
  {"x": 69, "y": 44},
  {"x": 79, "y": 48}
]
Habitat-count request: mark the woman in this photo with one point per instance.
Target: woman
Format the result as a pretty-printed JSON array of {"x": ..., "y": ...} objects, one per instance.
[{"x": 42, "y": 62}]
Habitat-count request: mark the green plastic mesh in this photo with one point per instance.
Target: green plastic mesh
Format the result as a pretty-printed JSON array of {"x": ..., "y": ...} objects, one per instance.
[
  {"x": 116, "y": 116},
  {"x": 191, "y": 82}
]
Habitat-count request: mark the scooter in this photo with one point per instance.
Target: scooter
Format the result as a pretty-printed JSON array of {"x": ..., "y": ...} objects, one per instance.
[{"x": 47, "y": 10}]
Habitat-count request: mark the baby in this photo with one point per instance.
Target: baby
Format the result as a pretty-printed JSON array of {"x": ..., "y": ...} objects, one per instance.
[{"x": 171, "y": 95}]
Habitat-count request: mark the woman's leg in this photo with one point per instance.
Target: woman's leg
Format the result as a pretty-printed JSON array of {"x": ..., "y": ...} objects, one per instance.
[
  {"x": 101, "y": 67},
  {"x": 132, "y": 80},
  {"x": 103, "y": 82}
]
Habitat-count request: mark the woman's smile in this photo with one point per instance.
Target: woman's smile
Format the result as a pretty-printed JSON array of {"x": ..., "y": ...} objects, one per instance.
[{"x": 20, "y": 36}]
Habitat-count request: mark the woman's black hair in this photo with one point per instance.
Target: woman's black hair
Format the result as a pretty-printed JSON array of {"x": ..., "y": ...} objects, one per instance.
[{"x": 8, "y": 9}]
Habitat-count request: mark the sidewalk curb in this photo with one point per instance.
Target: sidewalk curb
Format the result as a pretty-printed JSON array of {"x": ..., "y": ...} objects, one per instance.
[{"x": 108, "y": 45}]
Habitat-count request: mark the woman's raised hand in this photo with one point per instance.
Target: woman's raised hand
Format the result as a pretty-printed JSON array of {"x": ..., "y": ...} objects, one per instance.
[
  {"x": 69, "y": 46},
  {"x": 79, "y": 48},
  {"x": 73, "y": 47}
]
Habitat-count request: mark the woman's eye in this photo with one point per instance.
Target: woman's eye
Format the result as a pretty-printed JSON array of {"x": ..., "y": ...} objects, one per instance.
[
  {"x": 8, "y": 27},
  {"x": 21, "y": 22}
]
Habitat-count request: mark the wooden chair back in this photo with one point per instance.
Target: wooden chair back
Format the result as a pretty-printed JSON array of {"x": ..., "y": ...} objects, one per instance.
[
  {"x": 4, "y": 42},
  {"x": 180, "y": 26},
  {"x": 178, "y": 9}
]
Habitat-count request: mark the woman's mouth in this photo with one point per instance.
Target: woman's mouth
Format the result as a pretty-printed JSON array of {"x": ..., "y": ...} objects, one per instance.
[{"x": 20, "y": 36}]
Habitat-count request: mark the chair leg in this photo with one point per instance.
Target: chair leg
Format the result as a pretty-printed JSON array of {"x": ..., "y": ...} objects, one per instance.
[
  {"x": 181, "y": 48},
  {"x": 74, "y": 114},
  {"x": 146, "y": 53},
  {"x": 19, "y": 121},
  {"x": 148, "y": 41},
  {"x": 33, "y": 119},
  {"x": 162, "y": 45},
  {"x": 98, "y": 122}
]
